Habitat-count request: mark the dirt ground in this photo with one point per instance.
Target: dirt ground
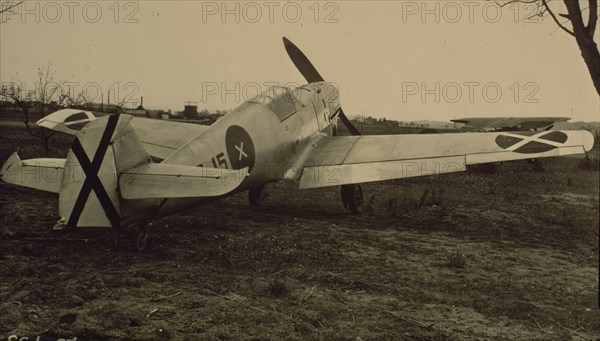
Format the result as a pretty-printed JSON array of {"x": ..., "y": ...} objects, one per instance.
[{"x": 509, "y": 255}]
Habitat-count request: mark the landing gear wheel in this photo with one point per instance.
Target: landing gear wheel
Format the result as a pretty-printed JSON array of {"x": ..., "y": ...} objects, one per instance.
[
  {"x": 352, "y": 198},
  {"x": 138, "y": 235},
  {"x": 139, "y": 239},
  {"x": 257, "y": 195}
]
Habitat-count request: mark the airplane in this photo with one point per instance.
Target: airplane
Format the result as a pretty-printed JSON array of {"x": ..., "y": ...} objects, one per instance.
[
  {"x": 122, "y": 172},
  {"x": 511, "y": 123}
]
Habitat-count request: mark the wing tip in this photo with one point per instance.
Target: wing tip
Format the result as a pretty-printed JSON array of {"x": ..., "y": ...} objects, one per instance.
[{"x": 5, "y": 172}]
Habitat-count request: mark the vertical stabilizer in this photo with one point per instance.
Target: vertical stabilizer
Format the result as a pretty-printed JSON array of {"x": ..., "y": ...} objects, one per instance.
[{"x": 89, "y": 194}]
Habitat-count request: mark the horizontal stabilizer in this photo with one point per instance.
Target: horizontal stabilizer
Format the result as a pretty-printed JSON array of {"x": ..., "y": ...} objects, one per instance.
[
  {"x": 68, "y": 121},
  {"x": 42, "y": 174},
  {"x": 175, "y": 181}
]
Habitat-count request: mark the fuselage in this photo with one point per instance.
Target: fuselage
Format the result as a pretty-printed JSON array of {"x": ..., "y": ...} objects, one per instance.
[{"x": 264, "y": 134}]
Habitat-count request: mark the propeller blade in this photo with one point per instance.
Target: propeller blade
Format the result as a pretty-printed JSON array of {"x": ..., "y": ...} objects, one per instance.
[
  {"x": 347, "y": 123},
  {"x": 302, "y": 63},
  {"x": 312, "y": 75}
]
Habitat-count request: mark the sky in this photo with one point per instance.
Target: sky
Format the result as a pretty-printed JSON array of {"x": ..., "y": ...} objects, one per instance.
[{"x": 404, "y": 60}]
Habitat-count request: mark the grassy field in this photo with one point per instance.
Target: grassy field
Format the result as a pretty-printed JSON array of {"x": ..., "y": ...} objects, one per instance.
[{"x": 510, "y": 255}]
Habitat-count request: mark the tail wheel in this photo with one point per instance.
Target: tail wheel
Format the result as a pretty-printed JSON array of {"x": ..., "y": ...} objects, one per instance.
[
  {"x": 352, "y": 198},
  {"x": 140, "y": 240},
  {"x": 138, "y": 235}
]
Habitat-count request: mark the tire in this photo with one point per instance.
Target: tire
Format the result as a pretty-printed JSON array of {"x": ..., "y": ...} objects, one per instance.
[
  {"x": 140, "y": 240},
  {"x": 257, "y": 195},
  {"x": 352, "y": 198}
]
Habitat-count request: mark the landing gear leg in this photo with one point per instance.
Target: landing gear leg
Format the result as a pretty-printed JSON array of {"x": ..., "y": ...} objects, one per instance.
[
  {"x": 257, "y": 195},
  {"x": 352, "y": 198}
]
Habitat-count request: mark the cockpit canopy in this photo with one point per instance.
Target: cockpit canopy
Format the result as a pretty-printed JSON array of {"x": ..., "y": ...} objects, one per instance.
[{"x": 283, "y": 101}]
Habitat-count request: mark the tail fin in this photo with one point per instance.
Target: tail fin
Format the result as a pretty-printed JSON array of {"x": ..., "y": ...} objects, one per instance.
[
  {"x": 109, "y": 179},
  {"x": 89, "y": 189}
]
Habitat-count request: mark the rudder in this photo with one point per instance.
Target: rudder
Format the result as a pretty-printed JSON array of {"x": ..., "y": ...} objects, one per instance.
[{"x": 89, "y": 194}]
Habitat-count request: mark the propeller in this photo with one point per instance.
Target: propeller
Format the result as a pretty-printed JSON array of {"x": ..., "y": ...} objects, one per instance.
[{"x": 311, "y": 75}]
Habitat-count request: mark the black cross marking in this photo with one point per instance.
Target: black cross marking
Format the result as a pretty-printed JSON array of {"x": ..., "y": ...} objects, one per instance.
[{"x": 92, "y": 182}]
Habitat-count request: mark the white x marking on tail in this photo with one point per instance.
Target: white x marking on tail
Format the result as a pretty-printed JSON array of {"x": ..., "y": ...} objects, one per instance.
[{"x": 241, "y": 150}]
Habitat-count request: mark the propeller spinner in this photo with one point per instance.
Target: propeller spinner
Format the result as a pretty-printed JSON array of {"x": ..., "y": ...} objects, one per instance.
[{"x": 311, "y": 75}]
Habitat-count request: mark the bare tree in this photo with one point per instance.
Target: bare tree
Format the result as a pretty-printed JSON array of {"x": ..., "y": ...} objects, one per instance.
[
  {"x": 48, "y": 95},
  {"x": 582, "y": 28}
]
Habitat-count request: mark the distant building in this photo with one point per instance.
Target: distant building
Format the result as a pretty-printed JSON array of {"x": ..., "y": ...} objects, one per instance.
[
  {"x": 365, "y": 120},
  {"x": 158, "y": 114},
  {"x": 139, "y": 111},
  {"x": 102, "y": 108},
  {"x": 190, "y": 110},
  {"x": 136, "y": 112}
]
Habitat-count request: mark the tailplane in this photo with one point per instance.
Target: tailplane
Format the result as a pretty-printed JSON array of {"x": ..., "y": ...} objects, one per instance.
[
  {"x": 109, "y": 180},
  {"x": 42, "y": 174}
]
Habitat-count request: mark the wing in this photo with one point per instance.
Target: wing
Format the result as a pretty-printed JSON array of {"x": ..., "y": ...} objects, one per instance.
[
  {"x": 159, "y": 137},
  {"x": 521, "y": 123},
  {"x": 333, "y": 161}
]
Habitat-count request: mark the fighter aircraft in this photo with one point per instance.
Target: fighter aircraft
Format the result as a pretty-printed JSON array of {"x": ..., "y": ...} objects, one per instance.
[{"x": 121, "y": 172}]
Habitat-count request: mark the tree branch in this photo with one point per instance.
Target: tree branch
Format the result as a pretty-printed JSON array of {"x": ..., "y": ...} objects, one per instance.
[
  {"x": 592, "y": 18},
  {"x": 35, "y": 101},
  {"x": 9, "y": 6},
  {"x": 575, "y": 16},
  {"x": 506, "y": 3},
  {"x": 556, "y": 19}
]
